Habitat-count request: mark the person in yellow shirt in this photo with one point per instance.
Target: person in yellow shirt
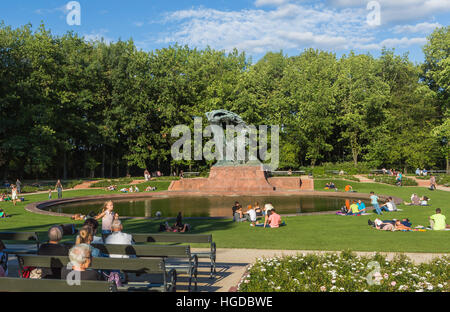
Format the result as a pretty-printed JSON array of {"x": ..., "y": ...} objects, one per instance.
[
  {"x": 354, "y": 209},
  {"x": 437, "y": 221}
]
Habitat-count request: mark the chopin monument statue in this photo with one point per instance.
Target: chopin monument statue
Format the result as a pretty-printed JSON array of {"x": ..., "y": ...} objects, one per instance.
[
  {"x": 225, "y": 122},
  {"x": 234, "y": 146}
]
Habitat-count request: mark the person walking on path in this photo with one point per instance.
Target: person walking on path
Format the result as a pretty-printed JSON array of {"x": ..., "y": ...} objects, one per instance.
[
  {"x": 19, "y": 186},
  {"x": 432, "y": 183},
  {"x": 59, "y": 189}
]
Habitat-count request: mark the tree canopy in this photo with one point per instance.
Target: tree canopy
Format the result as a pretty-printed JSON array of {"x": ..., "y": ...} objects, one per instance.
[{"x": 76, "y": 108}]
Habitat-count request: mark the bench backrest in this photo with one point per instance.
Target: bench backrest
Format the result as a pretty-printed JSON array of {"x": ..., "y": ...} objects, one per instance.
[
  {"x": 172, "y": 238},
  {"x": 47, "y": 285},
  {"x": 142, "y": 265},
  {"x": 170, "y": 251},
  {"x": 20, "y": 236}
]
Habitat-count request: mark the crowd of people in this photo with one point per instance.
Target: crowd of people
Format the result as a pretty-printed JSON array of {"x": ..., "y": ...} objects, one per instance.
[
  {"x": 82, "y": 252},
  {"x": 271, "y": 218},
  {"x": 437, "y": 223}
]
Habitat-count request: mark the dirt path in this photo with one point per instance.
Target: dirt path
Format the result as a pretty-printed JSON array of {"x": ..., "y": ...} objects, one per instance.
[
  {"x": 363, "y": 179},
  {"x": 84, "y": 185}
]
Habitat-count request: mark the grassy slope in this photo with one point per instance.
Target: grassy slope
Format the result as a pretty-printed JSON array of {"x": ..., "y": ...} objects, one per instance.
[{"x": 321, "y": 232}]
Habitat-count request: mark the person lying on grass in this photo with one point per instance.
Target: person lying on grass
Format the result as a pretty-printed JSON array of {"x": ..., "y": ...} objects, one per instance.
[
  {"x": 404, "y": 221},
  {"x": 388, "y": 225}
]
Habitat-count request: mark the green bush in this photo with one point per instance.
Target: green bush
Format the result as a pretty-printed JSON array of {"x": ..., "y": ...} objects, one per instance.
[
  {"x": 345, "y": 273},
  {"x": 392, "y": 180}
]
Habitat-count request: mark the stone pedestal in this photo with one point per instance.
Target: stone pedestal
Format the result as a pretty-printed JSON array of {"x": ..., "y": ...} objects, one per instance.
[
  {"x": 240, "y": 179},
  {"x": 227, "y": 179}
]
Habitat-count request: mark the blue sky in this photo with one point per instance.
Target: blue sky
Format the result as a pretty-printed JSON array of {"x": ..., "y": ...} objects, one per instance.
[{"x": 253, "y": 26}]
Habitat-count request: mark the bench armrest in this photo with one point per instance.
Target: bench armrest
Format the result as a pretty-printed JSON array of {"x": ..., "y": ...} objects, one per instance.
[{"x": 170, "y": 280}]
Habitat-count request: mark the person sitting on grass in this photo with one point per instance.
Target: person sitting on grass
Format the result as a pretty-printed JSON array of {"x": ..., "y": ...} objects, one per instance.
[
  {"x": 80, "y": 261},
  {"x": 239, "y": 214},
  {"x": 150, "y": 188},
  {"x": 349, "y": 188},
  {"x": 251, "y": 215},
  {"x": 389, "y": 205},
  {"x": 274, "y": 220},
  {"x": 415, "y": 201},
  {"x": 3, "y": 214},
  {"x": 424, "y": 201},
  {"x": 258, "y": 210},
  {"x": 353, "y": 210},
  {"x": 179, "y": 224},
  {"x": 437, "y": 221},
  {"x": 361, "y": 206}
]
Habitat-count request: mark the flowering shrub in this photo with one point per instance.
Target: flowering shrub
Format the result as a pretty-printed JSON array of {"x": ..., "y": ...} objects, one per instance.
[
  {"x": 392, "y": 180},
  {"x": 346, "y": 273}
]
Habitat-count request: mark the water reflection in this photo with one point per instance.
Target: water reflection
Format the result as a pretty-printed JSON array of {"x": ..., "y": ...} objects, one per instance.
[{"x": 210, "y": 206}]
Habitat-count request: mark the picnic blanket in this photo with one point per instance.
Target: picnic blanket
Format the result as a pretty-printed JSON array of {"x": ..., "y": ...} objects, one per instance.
[{"x": 340, "y": 213}]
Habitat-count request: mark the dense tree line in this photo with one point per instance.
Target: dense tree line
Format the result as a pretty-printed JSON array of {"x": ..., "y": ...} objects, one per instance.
[{"x": 72, "y": 108}]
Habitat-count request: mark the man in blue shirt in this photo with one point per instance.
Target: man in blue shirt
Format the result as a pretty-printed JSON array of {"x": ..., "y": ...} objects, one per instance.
[{"x": 374, "y": 202}]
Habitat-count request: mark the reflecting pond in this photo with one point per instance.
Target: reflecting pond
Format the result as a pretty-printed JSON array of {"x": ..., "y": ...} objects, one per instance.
[{"x": 206, "y": 206}]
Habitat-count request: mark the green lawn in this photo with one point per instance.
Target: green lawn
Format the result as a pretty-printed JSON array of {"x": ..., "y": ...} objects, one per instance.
[{"x": 320, "y": 232}]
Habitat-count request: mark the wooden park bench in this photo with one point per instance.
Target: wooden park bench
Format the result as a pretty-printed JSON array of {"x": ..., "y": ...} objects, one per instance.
[
  {"x": 133, "y": 265},
  {"x": 46, "y": 285},
  {"x": 19, "y": 238},
  {"x": 189, "y": 265},
  {"x": 182, "y": 238}
]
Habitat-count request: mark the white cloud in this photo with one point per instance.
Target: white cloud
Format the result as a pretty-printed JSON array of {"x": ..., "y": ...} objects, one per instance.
[
  {"x": 138, "y": 24},
  {"x": 289, "y": 26},
  {"x": 423, "y": 28},
  {"x": 260, "y": 3},
  {"x": 393, "y": 11},
  {"x": 98, "y": 36},
  {"x": 61, "y": 9}
]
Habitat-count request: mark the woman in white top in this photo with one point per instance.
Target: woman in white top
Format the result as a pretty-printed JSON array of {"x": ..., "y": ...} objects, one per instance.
[{"x": 14, "y": 197}]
